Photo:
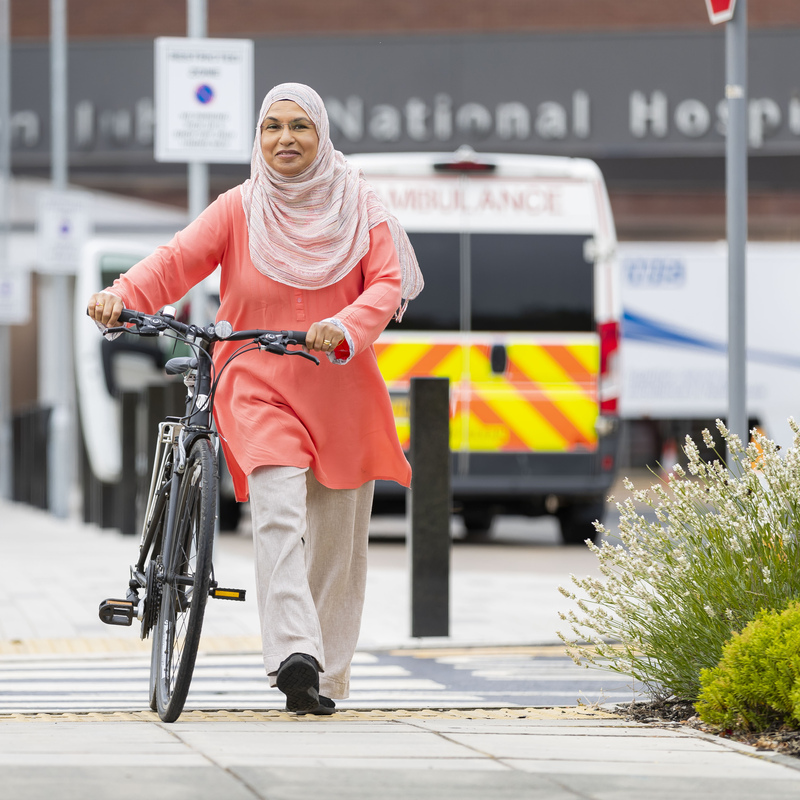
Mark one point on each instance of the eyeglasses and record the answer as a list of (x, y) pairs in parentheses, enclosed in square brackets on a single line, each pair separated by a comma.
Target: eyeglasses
[(295, 126)]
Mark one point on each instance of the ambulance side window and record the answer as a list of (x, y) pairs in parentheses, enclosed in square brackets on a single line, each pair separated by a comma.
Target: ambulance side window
[(437, 308), (531, 282)]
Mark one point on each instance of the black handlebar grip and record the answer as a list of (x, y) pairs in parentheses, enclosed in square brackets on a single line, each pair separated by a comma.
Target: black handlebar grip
[(298, 336), (127, 315)]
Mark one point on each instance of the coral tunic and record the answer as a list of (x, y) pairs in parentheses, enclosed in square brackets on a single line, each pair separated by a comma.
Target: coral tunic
[(282, 410)]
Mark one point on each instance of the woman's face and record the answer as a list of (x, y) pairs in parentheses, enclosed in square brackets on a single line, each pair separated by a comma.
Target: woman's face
[(289, 140)]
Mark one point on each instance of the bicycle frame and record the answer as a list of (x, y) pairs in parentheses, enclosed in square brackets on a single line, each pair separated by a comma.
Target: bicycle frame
[(174, 440)]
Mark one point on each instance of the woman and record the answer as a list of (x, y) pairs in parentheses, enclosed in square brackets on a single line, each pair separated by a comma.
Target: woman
[(304, 243)]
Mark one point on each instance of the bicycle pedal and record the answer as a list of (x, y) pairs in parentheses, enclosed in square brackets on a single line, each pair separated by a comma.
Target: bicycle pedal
[(117, 612), (227, 594)]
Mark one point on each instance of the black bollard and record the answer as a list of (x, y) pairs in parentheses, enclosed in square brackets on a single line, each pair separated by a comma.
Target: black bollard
[(129, 482), (147, 433), (429, 507)]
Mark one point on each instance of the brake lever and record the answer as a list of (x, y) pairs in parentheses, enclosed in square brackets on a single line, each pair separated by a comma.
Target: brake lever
[(303, 354), (139, 330)]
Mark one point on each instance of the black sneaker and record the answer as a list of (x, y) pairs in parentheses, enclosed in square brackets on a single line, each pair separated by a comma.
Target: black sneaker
[(298, 679), (326, 706)]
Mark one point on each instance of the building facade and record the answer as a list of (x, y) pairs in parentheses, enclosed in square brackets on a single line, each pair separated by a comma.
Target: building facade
[(638, 87)]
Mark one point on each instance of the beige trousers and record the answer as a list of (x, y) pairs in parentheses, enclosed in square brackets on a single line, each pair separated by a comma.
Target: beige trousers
[(311, 570)]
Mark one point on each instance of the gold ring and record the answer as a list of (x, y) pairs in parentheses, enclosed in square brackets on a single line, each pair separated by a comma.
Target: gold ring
[(326, 342), (99, 305)]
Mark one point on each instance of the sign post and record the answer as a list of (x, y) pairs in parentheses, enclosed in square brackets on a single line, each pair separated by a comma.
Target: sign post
[(735, 203), (736, 216), (197, 171), (55, 367), (7, 280)]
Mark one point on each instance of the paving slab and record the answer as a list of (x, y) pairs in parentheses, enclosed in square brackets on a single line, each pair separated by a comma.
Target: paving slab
[(294, 743), (673, 787), (594, 746), (132, 782), (397, 784), (280, 757)]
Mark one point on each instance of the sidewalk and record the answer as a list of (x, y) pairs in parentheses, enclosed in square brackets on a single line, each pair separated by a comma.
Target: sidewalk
[(427, 758), (55, 572), (62, 569)]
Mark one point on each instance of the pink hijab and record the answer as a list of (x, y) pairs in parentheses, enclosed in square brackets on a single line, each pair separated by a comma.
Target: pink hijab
[(310, 230)]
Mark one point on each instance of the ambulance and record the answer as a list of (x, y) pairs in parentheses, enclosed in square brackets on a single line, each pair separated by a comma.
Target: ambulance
[(520, 312)]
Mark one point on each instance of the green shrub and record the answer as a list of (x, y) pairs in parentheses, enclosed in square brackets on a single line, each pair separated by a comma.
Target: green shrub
[(757, 681), (724, 545)]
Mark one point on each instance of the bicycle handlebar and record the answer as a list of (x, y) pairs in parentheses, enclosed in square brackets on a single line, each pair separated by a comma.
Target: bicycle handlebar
[(153, 324), (276, 342)]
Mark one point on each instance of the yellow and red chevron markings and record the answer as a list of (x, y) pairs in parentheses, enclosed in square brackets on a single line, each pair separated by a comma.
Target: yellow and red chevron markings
[(544, 401)]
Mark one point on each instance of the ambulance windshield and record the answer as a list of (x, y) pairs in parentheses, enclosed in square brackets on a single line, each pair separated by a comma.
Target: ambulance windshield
[(519, 282)]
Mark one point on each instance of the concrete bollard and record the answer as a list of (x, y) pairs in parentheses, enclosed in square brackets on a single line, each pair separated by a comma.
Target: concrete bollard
[(428, 507)]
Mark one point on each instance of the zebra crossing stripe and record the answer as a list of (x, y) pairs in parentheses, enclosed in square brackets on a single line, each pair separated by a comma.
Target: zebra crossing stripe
[(238, 681)]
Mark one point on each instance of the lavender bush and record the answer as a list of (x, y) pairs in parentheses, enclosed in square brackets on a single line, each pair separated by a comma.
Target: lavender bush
[(724, 547)]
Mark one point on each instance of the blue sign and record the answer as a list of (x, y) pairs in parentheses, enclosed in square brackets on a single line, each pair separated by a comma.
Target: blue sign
[(654, 272)]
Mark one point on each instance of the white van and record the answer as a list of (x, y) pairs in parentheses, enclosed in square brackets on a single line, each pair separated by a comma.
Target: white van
[(105, 369), (521, 312), (674, 348)]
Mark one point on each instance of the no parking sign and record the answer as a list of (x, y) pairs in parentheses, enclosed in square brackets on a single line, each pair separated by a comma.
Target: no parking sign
[(204, 100)]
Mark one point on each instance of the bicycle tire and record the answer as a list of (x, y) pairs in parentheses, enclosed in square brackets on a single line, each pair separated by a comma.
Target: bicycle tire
[(187, 573), (152, 693)]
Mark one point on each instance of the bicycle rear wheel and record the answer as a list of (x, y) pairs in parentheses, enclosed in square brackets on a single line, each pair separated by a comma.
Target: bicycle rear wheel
[(187, 572)]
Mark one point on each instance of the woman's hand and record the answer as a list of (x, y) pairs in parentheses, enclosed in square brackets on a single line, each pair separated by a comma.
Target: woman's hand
[(323, 336), (105, 308)]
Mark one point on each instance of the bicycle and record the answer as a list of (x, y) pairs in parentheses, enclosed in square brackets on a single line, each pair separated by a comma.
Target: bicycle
[(174, 569)]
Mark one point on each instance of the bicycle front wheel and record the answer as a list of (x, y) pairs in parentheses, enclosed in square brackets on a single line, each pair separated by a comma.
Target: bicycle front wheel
[(187, 572)]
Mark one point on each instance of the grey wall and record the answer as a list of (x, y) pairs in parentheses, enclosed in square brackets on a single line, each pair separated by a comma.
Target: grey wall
[(598, 95)]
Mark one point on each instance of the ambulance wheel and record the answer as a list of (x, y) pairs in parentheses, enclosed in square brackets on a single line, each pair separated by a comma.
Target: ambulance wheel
[(576, 521), (478, 522)]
